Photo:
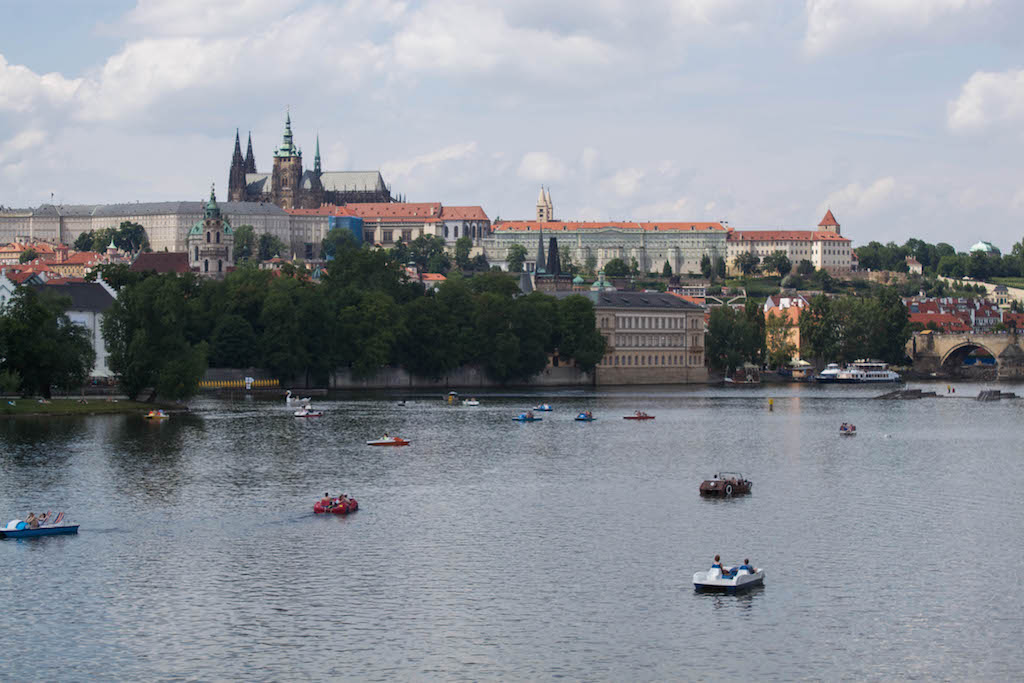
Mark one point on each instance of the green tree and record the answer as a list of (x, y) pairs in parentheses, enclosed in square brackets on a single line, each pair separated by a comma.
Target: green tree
[(245, 243), (515, 257), (578, 335), (117, 275), (40, 343), (233, 343), (778, 329), (777, 262), (819, 330), (706, 269), (719, 266), (27, 255), (666, 270), (84, 241), (616, 268), (746, 262), (804, 268), (496, 282), (130, 237), (270, 246), (590, 266), (634, 267), (463, 246), (145, 336)]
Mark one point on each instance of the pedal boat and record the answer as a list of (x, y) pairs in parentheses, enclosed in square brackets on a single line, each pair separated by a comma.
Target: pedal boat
[(41, 531), (306, 412), (523, 417), (543, 407), (638, 415), (157, 415), (389, 441), (583, 417), (713, 580)]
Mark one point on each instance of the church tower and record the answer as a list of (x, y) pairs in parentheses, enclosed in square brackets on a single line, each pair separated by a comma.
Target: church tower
[(545, 209), (829, 224), (236, 177), (250, 160), (314, 198), (286, 178)]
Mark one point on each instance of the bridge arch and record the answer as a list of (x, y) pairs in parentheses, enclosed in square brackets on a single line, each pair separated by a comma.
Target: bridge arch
[(954, 358)]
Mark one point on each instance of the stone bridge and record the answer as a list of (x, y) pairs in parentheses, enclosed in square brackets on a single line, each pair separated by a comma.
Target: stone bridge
[(944, 354)]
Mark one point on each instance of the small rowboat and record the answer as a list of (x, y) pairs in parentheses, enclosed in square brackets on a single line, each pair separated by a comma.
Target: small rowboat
[(638, 415), (389, 441), (41, 531)]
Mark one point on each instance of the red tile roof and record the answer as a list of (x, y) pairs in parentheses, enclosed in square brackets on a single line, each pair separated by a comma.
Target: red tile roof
[(433, 277), (161, 262), (829, 221), (784, 236), (83, 257), (945, 321), (563, 226)]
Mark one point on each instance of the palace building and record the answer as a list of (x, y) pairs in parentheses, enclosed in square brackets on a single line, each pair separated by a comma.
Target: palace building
[(290, 186)]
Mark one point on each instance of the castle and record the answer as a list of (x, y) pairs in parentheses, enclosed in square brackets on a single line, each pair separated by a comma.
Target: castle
[(289, 186)]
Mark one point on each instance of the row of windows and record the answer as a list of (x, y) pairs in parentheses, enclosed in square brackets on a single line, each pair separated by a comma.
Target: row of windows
[(643, 360), (641, 322)]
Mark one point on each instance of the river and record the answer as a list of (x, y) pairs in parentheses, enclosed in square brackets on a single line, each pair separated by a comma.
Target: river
[(491, 549)]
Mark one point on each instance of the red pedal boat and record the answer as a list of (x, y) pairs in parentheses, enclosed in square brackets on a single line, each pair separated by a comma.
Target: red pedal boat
[(638, 415), (389, 441), (336, 507)]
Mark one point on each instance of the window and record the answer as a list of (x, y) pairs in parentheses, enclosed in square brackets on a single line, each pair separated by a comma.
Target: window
[(385, 236), (206, 266), (217, 236), (207, 237), (368, 235), (407, 236), (197, 254), (220, 266)]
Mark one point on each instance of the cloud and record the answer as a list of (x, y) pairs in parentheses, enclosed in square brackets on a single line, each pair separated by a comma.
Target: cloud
[(205, 17), (23, 141), (405, 168), (22, 90), (626, 182), (839, 22), (541, 167), (857, 199), (665, 211), (988, 99)]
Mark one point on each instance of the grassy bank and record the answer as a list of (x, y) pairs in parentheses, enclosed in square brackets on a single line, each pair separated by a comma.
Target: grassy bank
[(72, 406)]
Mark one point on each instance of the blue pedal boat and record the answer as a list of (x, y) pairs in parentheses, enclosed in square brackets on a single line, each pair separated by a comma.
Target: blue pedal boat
[(41, 531), (583, 417), (526, 417)]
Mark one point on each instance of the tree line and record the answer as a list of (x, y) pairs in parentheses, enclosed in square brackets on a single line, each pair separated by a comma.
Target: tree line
[(942, 259), (165, 330)]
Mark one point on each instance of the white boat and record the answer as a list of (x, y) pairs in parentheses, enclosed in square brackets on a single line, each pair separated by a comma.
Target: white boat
[(859, 372), (471, 402), (307, 411), (830, 373), (742, 579)]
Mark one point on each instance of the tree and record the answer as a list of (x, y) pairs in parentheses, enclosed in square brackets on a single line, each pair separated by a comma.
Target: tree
[(804, 268), (463, 246), (130, 237), (145, 335), (666, 270), (270, 246), (777, 262), (578, 335), (746, 262), (245, 243), (616, 268), (735, 337), (429, 254), (117, 275), (818, 330), (515, 256), (40, 343), (27, 255), (634, 267), (565, 256), (233, 343), (778, 330), (719, 266), (590, 265), (341, 241), (706, 269), (84, 241)]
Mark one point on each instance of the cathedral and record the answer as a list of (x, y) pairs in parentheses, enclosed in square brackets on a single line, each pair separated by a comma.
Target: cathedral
[(290, 186)]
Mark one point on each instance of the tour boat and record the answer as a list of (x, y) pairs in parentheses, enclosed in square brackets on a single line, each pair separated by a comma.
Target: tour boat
[(829, 374), (638, 415), (585, 417), (308, 412), (543, 407), (738, 580), (389, 441), (527, 417), (471, 402), (859, 372), (41, 531), (157, 415), (726, 484), (336, 507)]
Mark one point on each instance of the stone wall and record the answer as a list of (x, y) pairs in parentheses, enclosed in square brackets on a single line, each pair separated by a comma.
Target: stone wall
[(624, 376), (466, 377)]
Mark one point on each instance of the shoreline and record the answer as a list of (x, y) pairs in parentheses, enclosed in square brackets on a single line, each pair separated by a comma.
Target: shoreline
[(67, 407)]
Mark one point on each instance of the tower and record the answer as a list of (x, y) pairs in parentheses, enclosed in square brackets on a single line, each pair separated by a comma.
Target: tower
[(250, 160), (314, 196), (211, 242), (236, 176), (286, 178), (545, 211), (829, 223), (539, 267)]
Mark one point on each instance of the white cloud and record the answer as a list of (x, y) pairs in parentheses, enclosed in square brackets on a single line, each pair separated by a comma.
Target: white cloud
[(23, 141), (405, 168), (677, 210), (21, 89), (205, 17), (857, 199), (626, 182), (541, 167), (988, 99), (836, 22), (589, 160)]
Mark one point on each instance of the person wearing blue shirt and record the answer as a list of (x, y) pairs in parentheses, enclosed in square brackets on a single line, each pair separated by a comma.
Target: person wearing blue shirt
[(746, 565)]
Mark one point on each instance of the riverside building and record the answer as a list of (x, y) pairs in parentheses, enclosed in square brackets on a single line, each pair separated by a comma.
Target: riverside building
[(825, 247)]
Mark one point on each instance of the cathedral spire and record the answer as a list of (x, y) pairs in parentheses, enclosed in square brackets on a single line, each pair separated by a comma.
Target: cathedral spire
[(316, 161), (238, 148), (540, 249), (212, 210), (287, 145), (250, 159)]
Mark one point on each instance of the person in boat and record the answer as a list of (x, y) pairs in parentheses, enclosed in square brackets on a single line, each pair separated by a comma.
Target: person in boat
[(32, 522), (529, 414), (749, 567), (717, 564), (326, 500)]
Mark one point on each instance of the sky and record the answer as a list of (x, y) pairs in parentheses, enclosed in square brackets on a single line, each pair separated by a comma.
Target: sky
[(905, 117)]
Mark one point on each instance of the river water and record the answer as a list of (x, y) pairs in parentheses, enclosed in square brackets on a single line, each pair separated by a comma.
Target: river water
[(491, 549)]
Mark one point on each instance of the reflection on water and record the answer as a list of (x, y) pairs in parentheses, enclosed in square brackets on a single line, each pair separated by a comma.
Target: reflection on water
[(496, 550)]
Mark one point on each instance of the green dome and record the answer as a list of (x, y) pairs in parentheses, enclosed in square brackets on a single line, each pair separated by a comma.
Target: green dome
[(578, 280)]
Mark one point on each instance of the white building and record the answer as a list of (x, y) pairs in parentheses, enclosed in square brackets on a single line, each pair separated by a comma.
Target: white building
[(825, 247), (387, 223), (89, 302)]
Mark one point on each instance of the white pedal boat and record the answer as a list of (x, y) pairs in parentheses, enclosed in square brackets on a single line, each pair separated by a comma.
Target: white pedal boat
[(712, 580)]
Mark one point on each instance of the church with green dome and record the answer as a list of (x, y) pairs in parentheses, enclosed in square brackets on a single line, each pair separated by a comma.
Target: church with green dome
[(211, 243)]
